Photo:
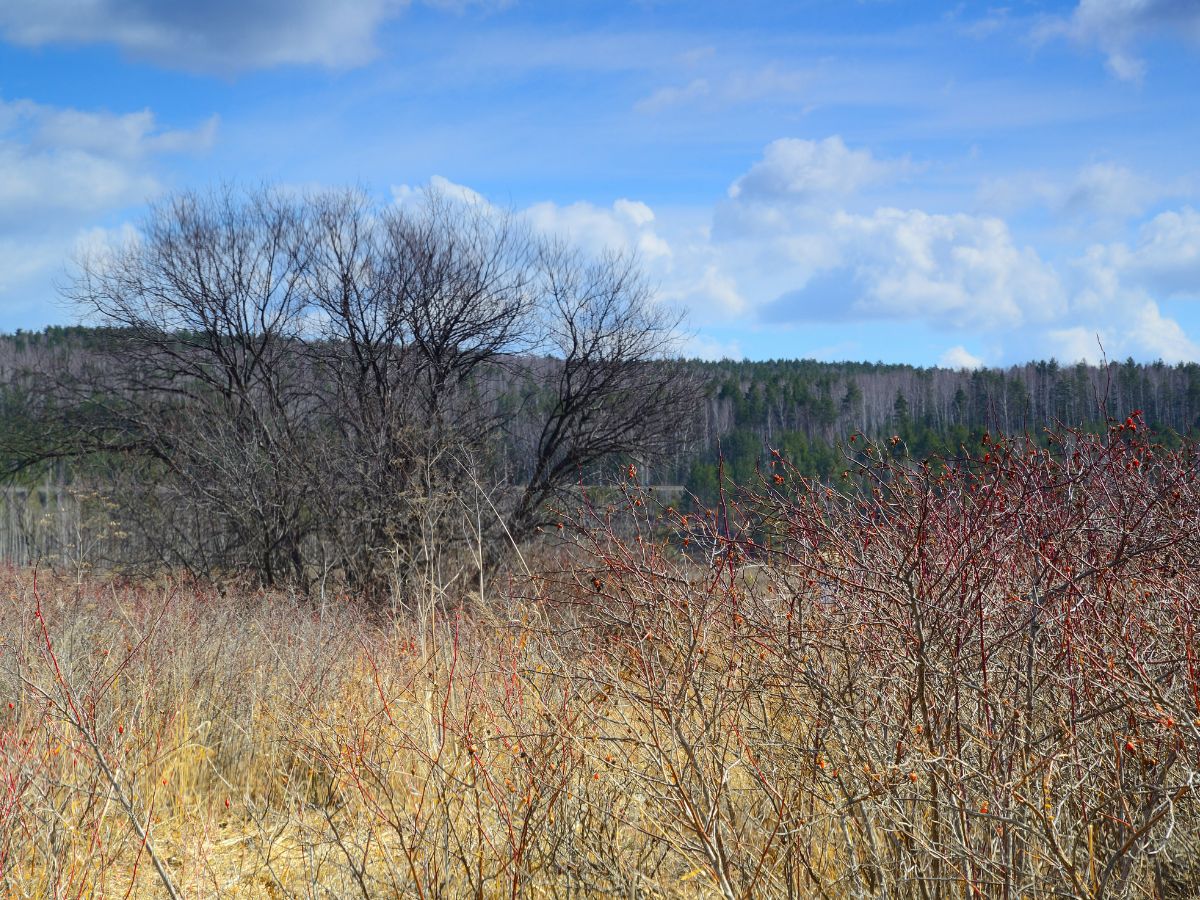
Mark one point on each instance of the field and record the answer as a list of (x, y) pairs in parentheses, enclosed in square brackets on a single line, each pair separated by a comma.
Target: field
[(976, 679)]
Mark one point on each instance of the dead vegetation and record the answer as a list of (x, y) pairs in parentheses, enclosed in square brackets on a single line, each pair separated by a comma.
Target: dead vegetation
[(972, 679)]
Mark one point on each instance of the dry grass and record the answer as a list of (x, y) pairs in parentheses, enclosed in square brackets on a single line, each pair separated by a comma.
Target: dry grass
[(840, 702)]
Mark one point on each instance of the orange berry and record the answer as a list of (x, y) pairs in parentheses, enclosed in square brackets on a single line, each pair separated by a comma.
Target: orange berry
[(912, 776)]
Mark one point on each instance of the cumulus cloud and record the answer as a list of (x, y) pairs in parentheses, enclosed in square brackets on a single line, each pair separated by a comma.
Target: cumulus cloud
[(22, 258), (802, 171), (959, 357), (1164, 258), (627, 226), (953, 271), (798, 256), (1100, 190), (407, 194), (220, 35), (711, 293), (1078, 343), (1118, 286), (56, 161), (1161, 336), (1118, 26), (62, 168), (783, 229), (1132, 326), (782, 250)]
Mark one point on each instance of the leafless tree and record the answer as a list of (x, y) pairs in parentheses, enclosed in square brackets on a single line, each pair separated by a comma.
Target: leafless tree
[(292, 383), (201, 382), (608, 390)]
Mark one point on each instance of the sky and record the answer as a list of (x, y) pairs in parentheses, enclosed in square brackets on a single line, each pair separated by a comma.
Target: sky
[(935, 183)]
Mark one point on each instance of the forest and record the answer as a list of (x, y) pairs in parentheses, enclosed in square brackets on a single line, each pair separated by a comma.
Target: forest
[(736, 412)]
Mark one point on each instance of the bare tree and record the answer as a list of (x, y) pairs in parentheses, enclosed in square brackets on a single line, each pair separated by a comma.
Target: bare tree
[(610, 389), (201, 381), (293, 383), (416, 308)]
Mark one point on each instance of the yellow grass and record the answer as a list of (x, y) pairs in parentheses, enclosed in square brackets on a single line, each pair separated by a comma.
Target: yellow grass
[(271, 747)]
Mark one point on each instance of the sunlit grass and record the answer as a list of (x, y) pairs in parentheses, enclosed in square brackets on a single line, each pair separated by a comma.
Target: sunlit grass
[(987, 687)]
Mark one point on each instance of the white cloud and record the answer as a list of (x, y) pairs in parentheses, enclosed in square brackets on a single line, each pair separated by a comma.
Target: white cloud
[(407, 194), (1107, 190), (1160, 336), (23, 258), (131, 136), (784, 235), (1078, 344), (769, 84), (993, 20), (703, 347), (1132, 325), (220, 35), (1101, 190), (1118, 26), (98, 243), (1118, 287), (673, 95), (713, 293), (625, 226), (959, 357), (802, 171), (797, 256), (56, 161), (61, 169), (1165, 257), (782, 250), (956, 270)]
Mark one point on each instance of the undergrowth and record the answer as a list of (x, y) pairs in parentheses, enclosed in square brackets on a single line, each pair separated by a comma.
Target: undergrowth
[(970, 678)]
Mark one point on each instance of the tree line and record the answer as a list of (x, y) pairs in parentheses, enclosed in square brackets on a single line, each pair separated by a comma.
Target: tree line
[(807, 409)]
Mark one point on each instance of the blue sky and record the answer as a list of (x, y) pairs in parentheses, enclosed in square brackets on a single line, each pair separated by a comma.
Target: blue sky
[(953, 183)]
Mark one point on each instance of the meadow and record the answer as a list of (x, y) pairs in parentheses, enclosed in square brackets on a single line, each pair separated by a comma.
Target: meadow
[(974, 677)]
